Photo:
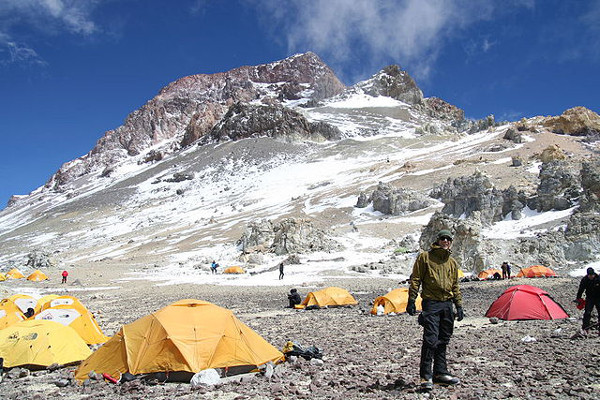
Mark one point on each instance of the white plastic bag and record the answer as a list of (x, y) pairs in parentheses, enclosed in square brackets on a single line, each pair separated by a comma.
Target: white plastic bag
[(207, 377)]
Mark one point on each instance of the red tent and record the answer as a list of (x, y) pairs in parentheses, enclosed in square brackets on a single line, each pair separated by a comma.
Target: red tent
[(525, 302)]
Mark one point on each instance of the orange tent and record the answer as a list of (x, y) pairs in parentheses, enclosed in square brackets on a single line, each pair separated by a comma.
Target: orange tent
[(37, 276), (14, 274), (187, 336), (488, 273), (536, 271), (234, 270), (329, 297), (395, 301)]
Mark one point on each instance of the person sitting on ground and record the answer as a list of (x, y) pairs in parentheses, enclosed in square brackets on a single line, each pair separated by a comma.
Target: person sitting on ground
[(496, 276), (294, 298), (590, 284)]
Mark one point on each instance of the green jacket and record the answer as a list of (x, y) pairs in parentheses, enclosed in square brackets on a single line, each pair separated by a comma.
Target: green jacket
[(437, 272)]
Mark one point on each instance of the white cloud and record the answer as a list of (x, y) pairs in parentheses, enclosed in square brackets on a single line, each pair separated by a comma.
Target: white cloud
[(46, 16), (409, 32)]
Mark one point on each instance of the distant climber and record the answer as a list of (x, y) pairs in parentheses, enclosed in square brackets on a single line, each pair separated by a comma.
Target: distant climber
[(294, 298), (213, 267), (590, 284), (505, 270), (64, 276), (281, 270)]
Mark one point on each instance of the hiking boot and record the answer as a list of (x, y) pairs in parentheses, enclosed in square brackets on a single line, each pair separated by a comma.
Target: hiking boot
[(445, 379), (426, 384)]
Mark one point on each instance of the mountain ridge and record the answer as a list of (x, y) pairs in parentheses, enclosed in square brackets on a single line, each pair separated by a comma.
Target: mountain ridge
[(286, 154)]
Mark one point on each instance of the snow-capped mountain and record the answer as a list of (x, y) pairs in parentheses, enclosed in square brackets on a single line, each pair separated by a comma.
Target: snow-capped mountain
[(260, 163)]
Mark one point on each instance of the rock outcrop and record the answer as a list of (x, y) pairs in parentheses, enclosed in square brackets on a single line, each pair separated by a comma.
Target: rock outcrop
[(249, 120), (577, 121), (464, 196), (393, 82), (466, 246), (291, 235), (559, 187), (392, 201)]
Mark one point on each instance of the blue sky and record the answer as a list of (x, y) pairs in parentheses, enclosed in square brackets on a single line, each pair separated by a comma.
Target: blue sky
[(72, 69)]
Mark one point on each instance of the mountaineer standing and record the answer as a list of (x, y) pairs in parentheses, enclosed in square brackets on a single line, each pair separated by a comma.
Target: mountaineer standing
[(436, 272), (590, 284)]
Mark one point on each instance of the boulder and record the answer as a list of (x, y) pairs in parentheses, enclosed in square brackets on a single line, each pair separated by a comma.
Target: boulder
[(577, 121), (559, 187), (291, 235), (391, 201)]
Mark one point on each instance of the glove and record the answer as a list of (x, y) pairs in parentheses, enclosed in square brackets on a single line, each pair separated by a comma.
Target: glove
[(460, 314), (411, 308)]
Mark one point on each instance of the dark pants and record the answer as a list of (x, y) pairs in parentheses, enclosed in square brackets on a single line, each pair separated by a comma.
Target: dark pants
[(590, 303), (437, 319)]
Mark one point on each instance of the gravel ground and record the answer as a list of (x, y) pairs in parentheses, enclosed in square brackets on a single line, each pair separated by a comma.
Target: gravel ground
[(364, 356)]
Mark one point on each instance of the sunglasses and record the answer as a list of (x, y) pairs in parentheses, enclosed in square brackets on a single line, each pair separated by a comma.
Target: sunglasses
[(446, 238)]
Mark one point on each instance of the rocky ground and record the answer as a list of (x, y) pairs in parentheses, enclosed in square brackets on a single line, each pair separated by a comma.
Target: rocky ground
[(364, 356)]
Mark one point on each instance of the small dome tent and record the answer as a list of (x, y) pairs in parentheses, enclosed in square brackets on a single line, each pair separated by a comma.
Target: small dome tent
[(394, 301), (329, 297), (40, 344), (187, 336), (69, 311), (488, 273), (23, 301), (525, 302), (37, 276), (536, 271), (234, 270), (14, 274), (10, 314)]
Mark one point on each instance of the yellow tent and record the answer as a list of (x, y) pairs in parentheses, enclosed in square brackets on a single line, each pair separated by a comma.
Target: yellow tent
[(23, 301), (189, 335), (69, 311), (41, 343), (43, 300), (329, 297), (14, 274), (10, 313), (234, 270), (2, 277), (37, 276), (395, 301)]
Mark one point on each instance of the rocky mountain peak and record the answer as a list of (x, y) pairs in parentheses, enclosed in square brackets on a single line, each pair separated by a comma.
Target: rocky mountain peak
[(190, 107), (393, 82)]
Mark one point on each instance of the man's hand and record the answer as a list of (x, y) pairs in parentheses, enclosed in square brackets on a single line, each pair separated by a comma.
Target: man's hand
[(460, 314), (411, 308)]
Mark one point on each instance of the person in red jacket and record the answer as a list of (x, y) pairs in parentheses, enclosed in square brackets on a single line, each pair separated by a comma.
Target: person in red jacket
[(64, 276)]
